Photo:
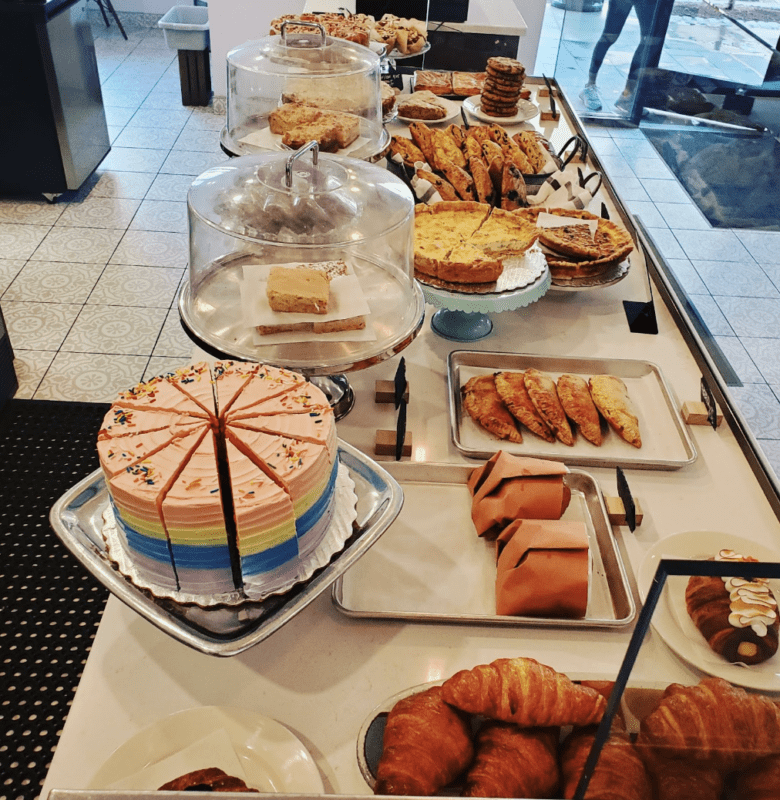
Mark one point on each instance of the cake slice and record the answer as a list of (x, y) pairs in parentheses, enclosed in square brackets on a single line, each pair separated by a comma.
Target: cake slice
[(195, 381), (230, 377), (303, 291), (317, 426), (265, 525), (195, 524), (268, 382), (122, 421), (305, 470), (137, 495), (121, 452), (301, 399), (160, 394)]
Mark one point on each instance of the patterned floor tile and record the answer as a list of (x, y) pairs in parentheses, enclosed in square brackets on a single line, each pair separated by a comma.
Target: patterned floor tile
[(20, 241), (712, 244), (144, 287), (161, 215), (173, 341), (711, 315), (761, 409), (204, 141), (205, 120), (115, 330), (154, 138), (123, 98), (170, 187), (118, 117), (739, 358), (9, 269), (99, 212), (153, 249), (133, 185), (159, 99), (764, 246), (686, 274), (191, 162), (771, 450), (173, 119), (751, 316), (737, 279), (82, 245), (30, 366), (39, 326), (135, 159), (661, 191), (54, 282), (30, 212), (765, 353), (159, 365), (90, 377), (680, 215)]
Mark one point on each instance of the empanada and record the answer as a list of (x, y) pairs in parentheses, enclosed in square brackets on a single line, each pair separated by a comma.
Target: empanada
[(485, 407), (611, 398), (511, 389), (544, 396), (575, 398)]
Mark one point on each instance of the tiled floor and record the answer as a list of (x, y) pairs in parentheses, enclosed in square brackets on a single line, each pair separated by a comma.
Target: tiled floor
[(88, 283)]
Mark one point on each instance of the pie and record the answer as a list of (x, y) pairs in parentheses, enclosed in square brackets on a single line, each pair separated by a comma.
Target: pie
[(544, 395), (485, 407), (466, 242), (610, 395), (511, 389), (575, 398)]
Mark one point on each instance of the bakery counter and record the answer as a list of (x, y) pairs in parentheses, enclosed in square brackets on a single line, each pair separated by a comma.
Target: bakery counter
[(323, 672)]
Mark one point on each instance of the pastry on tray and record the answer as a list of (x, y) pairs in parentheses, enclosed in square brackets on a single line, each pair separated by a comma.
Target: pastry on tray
[(210, 779), (544, 395), (421, 105), (610, 396), (575, 398), (512, 390), (426, 745), (738, 617), (484, 406)]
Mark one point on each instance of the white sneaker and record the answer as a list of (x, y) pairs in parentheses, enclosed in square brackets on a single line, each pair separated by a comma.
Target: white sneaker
[(590, 98)]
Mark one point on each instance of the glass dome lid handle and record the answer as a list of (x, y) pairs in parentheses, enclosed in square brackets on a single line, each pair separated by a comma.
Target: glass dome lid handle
[(314, 146), (302, 24)]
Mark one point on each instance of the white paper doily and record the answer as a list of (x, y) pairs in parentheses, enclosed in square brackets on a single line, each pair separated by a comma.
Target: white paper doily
[(339, 530)]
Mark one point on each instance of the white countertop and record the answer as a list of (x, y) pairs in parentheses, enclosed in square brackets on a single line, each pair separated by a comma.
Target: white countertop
[(322, 673)]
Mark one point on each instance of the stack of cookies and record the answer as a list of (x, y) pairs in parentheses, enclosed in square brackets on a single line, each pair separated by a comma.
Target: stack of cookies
[(503, 85)]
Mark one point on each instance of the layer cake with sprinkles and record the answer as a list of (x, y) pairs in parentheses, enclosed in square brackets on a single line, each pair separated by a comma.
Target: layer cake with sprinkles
[(221, 477)]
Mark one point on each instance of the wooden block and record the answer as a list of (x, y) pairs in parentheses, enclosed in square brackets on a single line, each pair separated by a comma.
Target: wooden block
[(694, 412), (384, 444), (525, 94), (617, 513), (384, 392), (548, 115), (545, 92)]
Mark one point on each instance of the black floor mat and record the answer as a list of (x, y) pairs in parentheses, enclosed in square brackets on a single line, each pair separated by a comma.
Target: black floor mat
[(734, 180), (50, 605)]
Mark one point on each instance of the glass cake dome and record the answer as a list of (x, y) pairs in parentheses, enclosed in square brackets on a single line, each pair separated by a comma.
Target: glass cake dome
[(282, 87), (254, 212)]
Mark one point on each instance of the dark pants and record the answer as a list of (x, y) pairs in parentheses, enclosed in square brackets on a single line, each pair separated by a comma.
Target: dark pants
[(652, 28)]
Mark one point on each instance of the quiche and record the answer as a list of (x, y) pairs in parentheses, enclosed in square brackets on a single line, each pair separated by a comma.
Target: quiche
[(466, 242)]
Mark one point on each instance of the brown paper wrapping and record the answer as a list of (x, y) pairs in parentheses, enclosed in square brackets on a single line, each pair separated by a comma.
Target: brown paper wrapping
[(543, 569), (509, 487)]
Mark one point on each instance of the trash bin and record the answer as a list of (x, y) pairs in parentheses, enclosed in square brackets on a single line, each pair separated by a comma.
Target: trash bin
[(186, 29)]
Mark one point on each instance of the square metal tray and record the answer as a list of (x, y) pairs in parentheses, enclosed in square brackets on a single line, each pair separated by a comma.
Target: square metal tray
[(431, 566), (666, 443), (77, 518)]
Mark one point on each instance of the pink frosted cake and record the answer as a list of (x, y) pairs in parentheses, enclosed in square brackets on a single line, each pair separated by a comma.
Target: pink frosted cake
[(220, 477)]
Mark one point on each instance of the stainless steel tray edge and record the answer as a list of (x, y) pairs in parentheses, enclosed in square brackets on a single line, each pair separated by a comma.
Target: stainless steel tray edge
[(380, 499), (617, 577), (482, 359)]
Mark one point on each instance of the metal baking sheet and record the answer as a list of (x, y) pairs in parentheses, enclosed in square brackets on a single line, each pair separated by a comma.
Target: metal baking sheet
[(431, 566), (666, 443), (77, 518)]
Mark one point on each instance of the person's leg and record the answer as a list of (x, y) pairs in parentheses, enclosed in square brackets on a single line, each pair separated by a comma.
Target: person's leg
[(648, 52), (617, 13)]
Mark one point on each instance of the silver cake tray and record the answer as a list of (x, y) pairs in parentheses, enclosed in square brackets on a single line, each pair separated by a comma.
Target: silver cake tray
[(225, 630)]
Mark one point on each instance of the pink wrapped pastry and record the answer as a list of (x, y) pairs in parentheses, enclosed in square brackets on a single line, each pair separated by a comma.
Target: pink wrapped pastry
[(509, 487), (543, 569)]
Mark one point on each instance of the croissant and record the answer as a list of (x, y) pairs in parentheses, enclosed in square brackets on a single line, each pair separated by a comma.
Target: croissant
[(737, 617), (619, 774), (714, 724), (426, 745), (683, 780), (523, 691), (513, 762), (760, 781)]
